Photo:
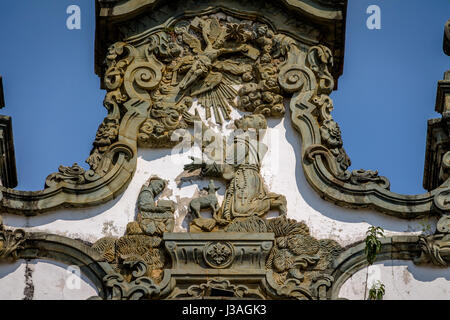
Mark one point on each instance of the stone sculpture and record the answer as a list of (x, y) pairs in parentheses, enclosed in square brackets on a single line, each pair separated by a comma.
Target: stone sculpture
[(141, 247), (246, 194), (205, 202), (254, 59)]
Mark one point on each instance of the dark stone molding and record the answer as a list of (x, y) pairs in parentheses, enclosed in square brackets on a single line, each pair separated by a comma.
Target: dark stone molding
[(8, 172), (69, 194), (447, 38), (320, 167), (437, 155), (187, 279)]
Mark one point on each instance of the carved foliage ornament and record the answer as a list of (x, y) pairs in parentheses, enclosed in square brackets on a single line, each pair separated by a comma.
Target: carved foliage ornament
[(436, 248), (10, 242), (204, 58), (223, 63)]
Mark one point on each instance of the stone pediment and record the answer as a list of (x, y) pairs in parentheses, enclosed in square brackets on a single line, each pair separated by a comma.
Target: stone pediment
[(221, 70)]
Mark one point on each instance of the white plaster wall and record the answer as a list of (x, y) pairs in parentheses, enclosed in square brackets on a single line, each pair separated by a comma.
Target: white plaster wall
[(281, 170), (282, 173), (44, 280), (403, 280), (12, 280)]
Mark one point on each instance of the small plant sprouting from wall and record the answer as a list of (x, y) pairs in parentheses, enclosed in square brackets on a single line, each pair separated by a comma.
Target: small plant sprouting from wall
[(377, 291), (373, 244), (426, 227), (373, 247)]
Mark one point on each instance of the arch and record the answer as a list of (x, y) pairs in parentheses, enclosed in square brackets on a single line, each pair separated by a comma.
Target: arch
[(354, 259), (70, 252)]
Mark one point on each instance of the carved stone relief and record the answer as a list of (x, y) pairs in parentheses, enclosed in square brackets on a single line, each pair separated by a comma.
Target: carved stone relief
[(140, 252), (211, 62), (10, 242), (278, 254), (436, 248)]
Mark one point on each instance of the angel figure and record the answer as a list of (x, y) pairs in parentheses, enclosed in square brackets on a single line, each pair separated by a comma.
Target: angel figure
[(206, 76)]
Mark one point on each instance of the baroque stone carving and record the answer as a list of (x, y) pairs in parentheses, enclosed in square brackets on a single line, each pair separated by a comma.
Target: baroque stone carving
[(296, 258), (222, 60), (147, 68), (436, 248), (10, 242), (141, 247), (74, 175), (106, 135), (246, 194), (141, 287), (325, 162), (319, 61), (283, 259), (209, 201), (218, 254), (220, 286)]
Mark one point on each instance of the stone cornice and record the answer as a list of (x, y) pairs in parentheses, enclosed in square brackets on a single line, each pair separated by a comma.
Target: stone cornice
[(437, 155), (323, 174), (93, 188), (316, 9)]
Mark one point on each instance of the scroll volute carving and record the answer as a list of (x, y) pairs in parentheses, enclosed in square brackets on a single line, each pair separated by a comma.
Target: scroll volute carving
[(319, 61), (10, 242), (436, 248)]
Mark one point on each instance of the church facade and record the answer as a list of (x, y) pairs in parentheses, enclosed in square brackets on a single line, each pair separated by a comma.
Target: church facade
[(220, 171)]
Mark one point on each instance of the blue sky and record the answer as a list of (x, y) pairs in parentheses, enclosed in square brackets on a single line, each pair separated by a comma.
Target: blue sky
[(386, 94)]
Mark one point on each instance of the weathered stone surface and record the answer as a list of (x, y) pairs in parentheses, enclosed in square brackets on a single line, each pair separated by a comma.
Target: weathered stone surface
[(436, 248), (226, 56), (316, 19), (437, 155), (8, 173), (447, 38)]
